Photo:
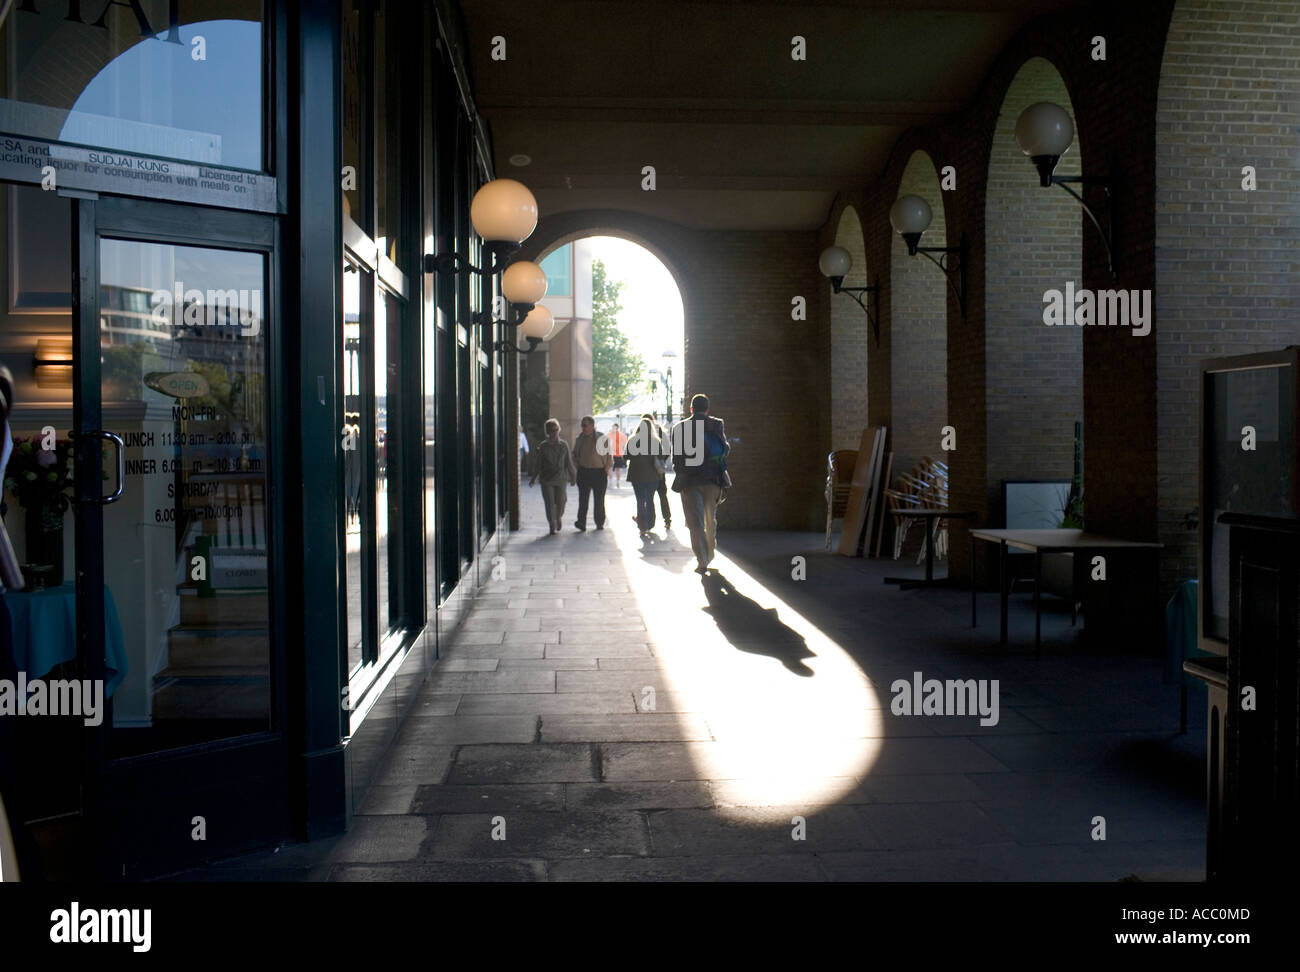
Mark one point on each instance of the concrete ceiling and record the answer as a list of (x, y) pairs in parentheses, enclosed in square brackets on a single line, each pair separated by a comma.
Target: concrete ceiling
[(741, 135)]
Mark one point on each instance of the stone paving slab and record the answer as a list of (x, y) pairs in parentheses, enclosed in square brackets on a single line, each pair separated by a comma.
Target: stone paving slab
[(604, 647), (374, 839), (389, 799), (468, 664), (752, 867), (549, 836), (416, 764), (530, 763), (757, 830), (490, 798), (463, 729), (548, 664), (638, 796), (492, 683), (427, 872), (642, 727), (552, 703)]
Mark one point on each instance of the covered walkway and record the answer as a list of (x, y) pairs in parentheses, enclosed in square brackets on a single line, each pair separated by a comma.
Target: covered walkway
[(604, 714)]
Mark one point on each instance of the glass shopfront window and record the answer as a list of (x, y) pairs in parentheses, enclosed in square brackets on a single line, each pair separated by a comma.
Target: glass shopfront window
[(356, 68), (163, 79), (389, 198)]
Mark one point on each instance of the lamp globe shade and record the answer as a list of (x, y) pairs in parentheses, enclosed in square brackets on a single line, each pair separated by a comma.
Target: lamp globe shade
[(835, 261), (910, 214), (524, 282), (1044, 129), (504, 210), (538, 323)]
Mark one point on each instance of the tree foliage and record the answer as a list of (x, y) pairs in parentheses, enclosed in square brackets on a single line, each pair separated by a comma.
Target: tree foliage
[(616, 370)]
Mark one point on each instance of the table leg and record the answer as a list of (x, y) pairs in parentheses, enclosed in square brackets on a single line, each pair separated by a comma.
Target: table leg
[(1002, 588), (972, 582), (1038, 614)]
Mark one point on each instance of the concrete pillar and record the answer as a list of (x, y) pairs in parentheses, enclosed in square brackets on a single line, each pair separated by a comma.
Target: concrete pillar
[(570, 376)]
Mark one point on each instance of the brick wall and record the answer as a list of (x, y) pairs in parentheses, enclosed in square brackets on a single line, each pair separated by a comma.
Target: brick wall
[(1033, 239), (766, 375), (850, 340), (1225, 257), (1113, 102), (919, 347)]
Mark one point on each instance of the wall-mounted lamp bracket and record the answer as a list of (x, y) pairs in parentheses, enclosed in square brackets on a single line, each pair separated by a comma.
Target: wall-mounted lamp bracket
[(1106, 234), (533, 345), (854, 292), (944, 262), (452, 263), (513, 319)]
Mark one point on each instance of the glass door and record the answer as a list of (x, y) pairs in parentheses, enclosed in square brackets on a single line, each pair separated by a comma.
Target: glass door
[(176, 445)]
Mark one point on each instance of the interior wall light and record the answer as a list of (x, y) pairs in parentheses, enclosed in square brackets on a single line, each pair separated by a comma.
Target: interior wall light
[(53, 363), (1044, 132), (911, 216), (835, 264), (504, 214)]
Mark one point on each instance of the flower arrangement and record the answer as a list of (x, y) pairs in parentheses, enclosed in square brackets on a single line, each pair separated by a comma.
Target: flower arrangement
[(41, 478)]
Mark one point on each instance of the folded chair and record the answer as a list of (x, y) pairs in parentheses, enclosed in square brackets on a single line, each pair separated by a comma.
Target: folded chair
[(839, 479)]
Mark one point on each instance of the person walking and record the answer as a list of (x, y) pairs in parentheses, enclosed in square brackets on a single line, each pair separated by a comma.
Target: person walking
[(643, 472), (618, 445), (553, 464), (593, 461), (700, 450), (664, 464)]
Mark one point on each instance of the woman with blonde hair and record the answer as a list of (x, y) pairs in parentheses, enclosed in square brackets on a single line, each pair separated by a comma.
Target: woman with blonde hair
[(643, 471)]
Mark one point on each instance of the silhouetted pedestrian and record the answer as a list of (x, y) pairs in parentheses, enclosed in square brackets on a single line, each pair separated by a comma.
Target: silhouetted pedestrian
[(700, 450), (591, 454), (553, 464)]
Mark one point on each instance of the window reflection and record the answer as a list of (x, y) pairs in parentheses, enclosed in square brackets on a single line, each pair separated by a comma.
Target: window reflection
[(351, 437), (178, 79)]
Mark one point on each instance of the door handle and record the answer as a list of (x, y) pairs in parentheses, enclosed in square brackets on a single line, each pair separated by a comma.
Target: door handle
[(121, 465)]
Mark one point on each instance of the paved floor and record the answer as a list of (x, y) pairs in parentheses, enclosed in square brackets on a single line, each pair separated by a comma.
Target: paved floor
[(606, 714)]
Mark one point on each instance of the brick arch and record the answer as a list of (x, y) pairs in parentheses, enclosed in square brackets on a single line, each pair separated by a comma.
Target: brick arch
[(658, 237), (919, 325), (767, 374), (1033, 240), (850, 340)]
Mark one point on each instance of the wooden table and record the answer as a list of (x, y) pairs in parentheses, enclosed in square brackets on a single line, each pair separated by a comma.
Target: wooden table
[(1039, 542), (931, 516)]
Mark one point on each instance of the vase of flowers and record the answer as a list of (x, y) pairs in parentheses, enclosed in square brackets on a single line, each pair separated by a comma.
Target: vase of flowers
[(41, 478)]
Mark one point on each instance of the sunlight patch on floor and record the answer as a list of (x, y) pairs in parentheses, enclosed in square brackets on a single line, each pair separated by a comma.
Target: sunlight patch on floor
[(797, 721)]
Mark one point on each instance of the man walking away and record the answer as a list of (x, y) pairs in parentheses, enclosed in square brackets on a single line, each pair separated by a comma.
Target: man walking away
[(591, 456), (700, 450), (554, 466)]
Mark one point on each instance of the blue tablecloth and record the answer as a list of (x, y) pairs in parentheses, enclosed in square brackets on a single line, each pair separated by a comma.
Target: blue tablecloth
[(45, 632)]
